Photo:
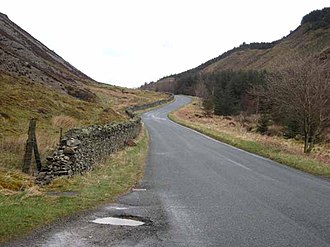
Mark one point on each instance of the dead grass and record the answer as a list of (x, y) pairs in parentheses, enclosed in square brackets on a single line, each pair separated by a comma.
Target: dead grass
[(12, 148), (63, 121), (234, 126), (12, 181), (12, 144)]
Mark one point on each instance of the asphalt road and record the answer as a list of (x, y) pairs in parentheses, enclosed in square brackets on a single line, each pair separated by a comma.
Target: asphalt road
[(200, 192)]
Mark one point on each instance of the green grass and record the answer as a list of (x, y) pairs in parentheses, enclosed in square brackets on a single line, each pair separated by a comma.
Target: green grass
[(24, 211), (301, 163)]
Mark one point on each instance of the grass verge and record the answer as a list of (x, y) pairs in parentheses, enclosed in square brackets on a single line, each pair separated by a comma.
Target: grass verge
[(305, 164), (116, 175)]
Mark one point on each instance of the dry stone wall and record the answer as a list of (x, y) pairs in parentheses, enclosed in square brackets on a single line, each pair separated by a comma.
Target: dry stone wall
[(130, 110), (80, 149)]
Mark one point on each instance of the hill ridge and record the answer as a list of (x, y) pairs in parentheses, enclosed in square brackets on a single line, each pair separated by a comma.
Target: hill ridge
[(311, 37), (23, 56)]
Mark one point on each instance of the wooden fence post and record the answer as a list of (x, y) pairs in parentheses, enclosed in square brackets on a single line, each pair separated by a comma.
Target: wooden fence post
[(31, 146), (61, 134), (37, 154)]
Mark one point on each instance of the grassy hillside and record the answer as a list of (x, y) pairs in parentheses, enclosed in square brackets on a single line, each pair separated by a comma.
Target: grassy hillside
[(304, 42), (21, 100), (311, 38)]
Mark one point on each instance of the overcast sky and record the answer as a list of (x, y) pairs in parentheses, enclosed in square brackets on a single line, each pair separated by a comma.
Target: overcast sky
[(129, 42)]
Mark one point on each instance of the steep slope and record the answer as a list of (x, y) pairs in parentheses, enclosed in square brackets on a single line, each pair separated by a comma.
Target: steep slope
[(24, 57), (37, 83), (311, 38), (303, 41)]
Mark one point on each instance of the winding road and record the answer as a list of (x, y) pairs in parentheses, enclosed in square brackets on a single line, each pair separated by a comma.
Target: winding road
[(200, 192)]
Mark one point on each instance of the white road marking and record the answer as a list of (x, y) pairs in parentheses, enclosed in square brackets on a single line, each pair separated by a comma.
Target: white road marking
[(238, 164), (214, 140)]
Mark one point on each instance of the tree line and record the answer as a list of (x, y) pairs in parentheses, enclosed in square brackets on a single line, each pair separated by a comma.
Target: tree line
[(297, 96), (317, 19)]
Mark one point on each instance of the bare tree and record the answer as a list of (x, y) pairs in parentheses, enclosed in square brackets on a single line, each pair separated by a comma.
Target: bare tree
[(301, 92), (201, 90), (257, 92)]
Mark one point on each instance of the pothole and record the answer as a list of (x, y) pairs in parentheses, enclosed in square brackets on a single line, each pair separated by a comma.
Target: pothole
[(138, 190), (117, 208), (122, 220), (118, 222)]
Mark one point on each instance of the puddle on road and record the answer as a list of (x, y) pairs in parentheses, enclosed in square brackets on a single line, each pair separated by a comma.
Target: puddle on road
[(138, 190), (118, 208), (118, 221)]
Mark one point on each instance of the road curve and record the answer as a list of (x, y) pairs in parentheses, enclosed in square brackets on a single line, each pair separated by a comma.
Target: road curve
[(217, 195), (199, 192)]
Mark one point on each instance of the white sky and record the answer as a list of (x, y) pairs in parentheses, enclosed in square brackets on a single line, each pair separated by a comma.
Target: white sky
[(129, 42)]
